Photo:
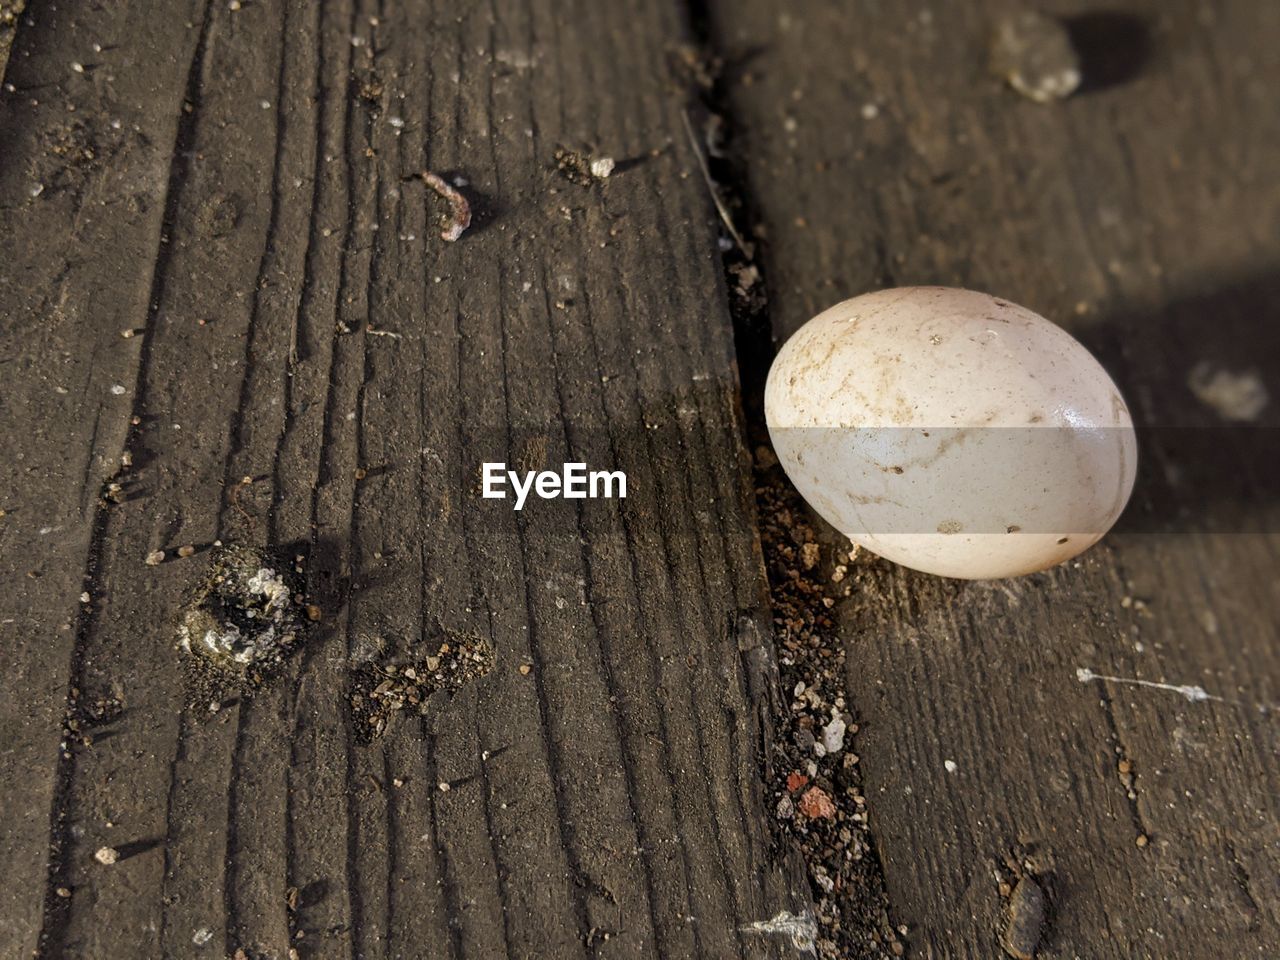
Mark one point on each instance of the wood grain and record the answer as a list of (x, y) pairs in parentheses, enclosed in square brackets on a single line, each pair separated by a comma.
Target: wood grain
[(1141, 215), (83, 192), (303, 328)]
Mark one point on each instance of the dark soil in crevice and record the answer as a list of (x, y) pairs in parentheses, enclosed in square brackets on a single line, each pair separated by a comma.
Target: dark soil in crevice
[(814, 795)]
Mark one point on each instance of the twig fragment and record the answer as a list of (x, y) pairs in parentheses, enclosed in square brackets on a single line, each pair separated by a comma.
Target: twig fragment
[(1192, 693), (711, 185), (459, 209)]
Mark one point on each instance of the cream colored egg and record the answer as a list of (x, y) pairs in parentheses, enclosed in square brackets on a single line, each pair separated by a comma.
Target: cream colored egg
[(951, 431)]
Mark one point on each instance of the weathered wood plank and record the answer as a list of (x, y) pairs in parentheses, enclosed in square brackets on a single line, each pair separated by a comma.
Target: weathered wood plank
[(1141, 216), (305, 327), (82, 188)]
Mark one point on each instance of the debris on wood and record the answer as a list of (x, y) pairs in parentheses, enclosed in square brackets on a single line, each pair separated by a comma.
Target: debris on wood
[(815, 793), (371, 89), (380, 691), (459, 210), (1195, 694), (816, 805), (243, 618), (1033, 53), (716, 199), (581, 167), (1240, 397), (107, 856), (800, 930), (1026, 920)]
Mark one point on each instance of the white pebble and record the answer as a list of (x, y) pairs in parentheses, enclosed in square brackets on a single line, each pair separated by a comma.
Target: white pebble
[(1239, 396), (833, 735), (107, 856)]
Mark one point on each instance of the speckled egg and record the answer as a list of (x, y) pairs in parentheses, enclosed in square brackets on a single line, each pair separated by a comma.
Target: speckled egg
[(951, 431)]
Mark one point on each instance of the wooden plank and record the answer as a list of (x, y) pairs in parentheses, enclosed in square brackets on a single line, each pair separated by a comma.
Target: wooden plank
[(303, 326), (1141, 215), (81, 193)]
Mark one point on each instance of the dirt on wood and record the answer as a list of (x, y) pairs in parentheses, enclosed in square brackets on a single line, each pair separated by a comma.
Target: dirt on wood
[(817, 796), (531, 734)]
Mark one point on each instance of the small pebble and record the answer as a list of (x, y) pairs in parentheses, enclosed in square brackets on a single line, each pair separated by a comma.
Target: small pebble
[(1033, 53), (816, 805), (1026, 920), (833, 735), (1238, 396), (107, 856), (186, 551), (155, 558)]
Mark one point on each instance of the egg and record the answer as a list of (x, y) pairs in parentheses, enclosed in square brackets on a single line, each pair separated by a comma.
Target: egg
[(951, 431)]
